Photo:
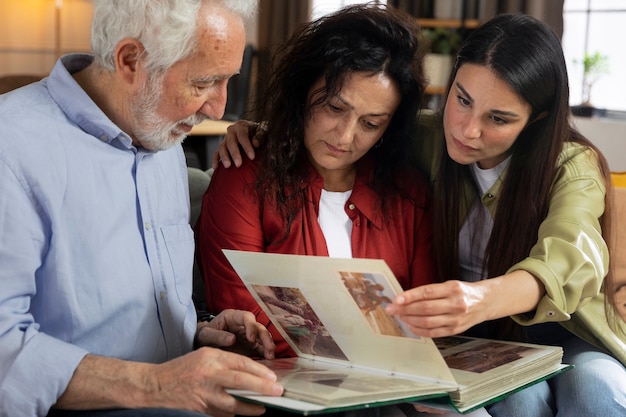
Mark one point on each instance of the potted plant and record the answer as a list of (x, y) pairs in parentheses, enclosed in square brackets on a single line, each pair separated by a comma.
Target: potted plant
[(443, 43), (594, 66)]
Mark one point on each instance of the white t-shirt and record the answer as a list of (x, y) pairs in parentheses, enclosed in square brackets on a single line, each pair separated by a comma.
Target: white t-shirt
[(335, 223), (472, 240)]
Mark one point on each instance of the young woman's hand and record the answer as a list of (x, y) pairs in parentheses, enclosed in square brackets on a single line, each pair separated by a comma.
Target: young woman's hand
[(243, 133), (452, 307)]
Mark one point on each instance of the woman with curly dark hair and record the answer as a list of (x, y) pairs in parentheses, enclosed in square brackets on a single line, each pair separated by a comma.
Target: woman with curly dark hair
[(334, 177)]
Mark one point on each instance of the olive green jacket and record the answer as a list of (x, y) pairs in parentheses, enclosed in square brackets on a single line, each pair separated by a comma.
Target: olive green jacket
[(570, 257)]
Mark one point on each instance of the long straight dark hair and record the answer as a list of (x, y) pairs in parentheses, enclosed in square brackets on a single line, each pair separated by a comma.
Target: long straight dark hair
[(527, 55)]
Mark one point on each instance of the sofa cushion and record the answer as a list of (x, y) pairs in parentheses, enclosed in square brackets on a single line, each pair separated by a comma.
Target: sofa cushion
[(198, 183)]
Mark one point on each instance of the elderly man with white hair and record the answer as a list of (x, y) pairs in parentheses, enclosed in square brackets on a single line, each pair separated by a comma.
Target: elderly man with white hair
[(95, 244)]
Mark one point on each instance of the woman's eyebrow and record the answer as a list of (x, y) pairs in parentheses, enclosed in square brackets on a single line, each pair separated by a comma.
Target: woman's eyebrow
[(464, 91), (494, 111)]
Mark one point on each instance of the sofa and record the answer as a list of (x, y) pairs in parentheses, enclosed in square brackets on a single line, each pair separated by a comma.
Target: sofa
[(198, 183)]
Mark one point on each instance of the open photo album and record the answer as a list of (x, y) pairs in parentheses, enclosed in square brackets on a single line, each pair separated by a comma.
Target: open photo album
[(351, 354)]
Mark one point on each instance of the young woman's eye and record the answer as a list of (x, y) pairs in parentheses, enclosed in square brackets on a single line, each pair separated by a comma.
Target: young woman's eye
[(463, 101), (499, 120)]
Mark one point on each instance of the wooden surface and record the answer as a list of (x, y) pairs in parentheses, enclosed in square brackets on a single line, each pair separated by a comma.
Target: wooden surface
[(211, 128), (449, 23)]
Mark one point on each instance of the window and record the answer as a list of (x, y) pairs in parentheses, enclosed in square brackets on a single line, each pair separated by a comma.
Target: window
[(322, 7), (596, 26)]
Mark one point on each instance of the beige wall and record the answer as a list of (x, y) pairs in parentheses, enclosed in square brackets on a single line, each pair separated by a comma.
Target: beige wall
[(608, 135), (28, 33)]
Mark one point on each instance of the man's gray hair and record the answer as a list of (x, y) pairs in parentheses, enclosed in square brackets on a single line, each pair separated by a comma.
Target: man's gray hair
[(166, 28)]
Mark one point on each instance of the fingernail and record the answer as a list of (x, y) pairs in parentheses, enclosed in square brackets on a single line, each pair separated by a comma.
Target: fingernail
[(277, 389)]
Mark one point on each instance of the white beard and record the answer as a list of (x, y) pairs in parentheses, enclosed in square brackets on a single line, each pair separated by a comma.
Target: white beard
[(151, 131)]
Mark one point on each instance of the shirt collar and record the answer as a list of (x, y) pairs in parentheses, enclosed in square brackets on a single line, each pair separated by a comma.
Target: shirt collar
[(363, 196), (78, 106)]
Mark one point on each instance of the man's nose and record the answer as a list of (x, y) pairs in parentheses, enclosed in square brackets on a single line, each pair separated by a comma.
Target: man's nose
[(215, 104)]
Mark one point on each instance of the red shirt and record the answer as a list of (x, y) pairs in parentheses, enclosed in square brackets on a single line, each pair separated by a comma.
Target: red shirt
[(232, 217)]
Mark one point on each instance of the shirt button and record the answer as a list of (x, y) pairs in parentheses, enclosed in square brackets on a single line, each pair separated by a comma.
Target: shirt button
[(489, 195), (163, 295), (148, 226), (351, 206), (104, 138), (550, 313)]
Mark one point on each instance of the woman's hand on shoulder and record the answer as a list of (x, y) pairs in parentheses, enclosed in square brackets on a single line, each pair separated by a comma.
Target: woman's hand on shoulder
[(242, 133)]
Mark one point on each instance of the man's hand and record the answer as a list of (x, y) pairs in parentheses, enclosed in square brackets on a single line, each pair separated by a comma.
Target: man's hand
[(196, 381), (243, 133), (236, 331)]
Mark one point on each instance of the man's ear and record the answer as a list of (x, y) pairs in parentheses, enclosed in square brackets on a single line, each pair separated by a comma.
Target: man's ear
[(128, 53)]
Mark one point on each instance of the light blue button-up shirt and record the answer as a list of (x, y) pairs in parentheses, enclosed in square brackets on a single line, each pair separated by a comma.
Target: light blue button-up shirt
[(96, 250)]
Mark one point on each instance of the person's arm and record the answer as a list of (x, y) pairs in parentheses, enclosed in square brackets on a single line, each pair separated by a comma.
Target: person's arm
[(195, 381), (243, 133), (38, 371), (563, 271), (570, 257), (247, 135), (449, 308)]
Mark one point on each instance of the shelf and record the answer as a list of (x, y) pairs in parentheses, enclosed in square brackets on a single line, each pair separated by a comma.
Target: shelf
[(435, 91), (449, 23)]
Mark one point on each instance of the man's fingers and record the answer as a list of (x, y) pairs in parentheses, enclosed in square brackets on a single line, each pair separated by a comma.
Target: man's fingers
[(238, 376), (258, 335), (208, 336), (240, 372)]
